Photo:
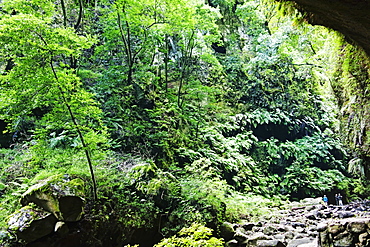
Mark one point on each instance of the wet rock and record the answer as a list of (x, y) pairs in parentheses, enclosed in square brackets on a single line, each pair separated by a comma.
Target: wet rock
[(289, 235), (312, 244), (280, 237), (324, 239), (252, 240), (307, 226), (311, 216), (298, 224), (310, 208), (300, 235), (326, 214), (283, 228), (56, 199)]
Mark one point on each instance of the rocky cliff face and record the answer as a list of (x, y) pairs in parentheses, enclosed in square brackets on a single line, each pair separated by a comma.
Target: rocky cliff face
[(350, 17), (351, 83)]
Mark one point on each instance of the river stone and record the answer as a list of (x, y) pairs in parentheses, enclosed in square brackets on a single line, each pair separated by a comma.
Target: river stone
[(240, 236), (321, 227), (314, 243), (252, 240), (284, 228), (280, 237), (300, 241), (298, 224), (310, 208), (311, 216), (30, 224), (270, 243), (326, 214), (248, 226), (289, 235), (59, 195), (269, 230), (345, 214)]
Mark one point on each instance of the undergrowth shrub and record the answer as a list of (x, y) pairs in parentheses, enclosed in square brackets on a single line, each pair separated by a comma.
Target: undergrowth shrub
[(194, 236)]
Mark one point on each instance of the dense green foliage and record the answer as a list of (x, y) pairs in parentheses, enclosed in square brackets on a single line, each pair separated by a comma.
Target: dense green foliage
[(180, 114)]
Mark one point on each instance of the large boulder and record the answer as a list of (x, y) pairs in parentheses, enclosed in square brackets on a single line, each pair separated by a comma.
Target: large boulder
[(357, 226), (344, 239), (346, 232), (47, 206), (227, 231), (60, 195), (30, 223)]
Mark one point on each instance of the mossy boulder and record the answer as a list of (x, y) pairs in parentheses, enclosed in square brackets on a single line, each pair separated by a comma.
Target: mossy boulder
[(30, 223), (61, 195), (227, 231)]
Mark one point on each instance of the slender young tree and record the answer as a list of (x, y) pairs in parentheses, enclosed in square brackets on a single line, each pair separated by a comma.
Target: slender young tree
[(42, 78)]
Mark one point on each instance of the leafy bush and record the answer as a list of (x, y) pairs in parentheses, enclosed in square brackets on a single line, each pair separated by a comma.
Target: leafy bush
[(194, 236)]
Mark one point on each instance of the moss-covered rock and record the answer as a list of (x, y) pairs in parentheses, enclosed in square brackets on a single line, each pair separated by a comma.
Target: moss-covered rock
[(30, 223), (227, 231), (60, 195)]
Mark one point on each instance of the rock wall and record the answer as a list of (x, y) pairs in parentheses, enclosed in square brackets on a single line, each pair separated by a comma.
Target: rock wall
[(351, 87)]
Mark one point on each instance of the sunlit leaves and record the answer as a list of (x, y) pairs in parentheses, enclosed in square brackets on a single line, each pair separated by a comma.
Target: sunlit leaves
[(194, 236), (37, 8)]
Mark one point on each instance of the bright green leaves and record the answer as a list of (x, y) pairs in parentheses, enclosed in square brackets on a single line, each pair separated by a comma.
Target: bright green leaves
[(36, 49), (194, 236), (37, 8), (27, 39)]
